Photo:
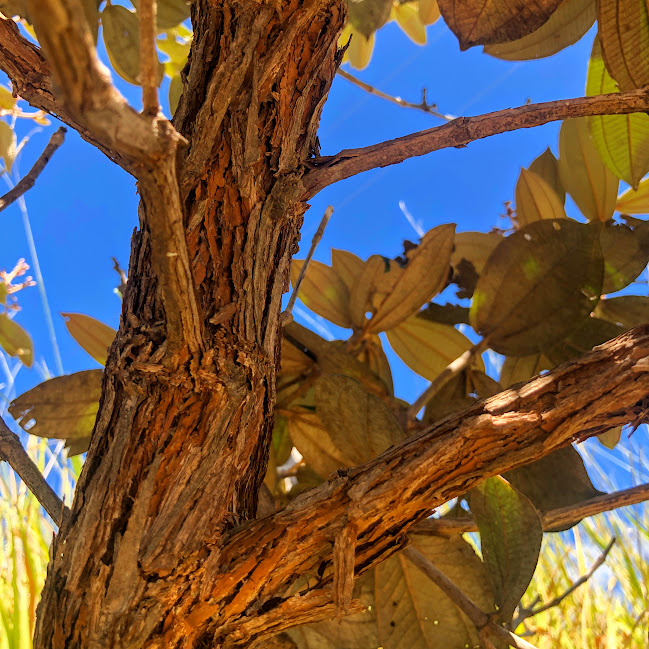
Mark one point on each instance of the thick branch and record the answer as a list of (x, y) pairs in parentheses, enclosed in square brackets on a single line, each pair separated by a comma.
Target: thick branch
[(461, 131), (28, 180), (553, 519), (384, 498), (12, 451)]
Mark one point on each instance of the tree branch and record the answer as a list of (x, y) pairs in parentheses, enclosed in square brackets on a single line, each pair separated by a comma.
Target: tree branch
[(461, 131), (552, 519), (147, 13), (424, 106), (27, 181), (385, 497), (12, 451)]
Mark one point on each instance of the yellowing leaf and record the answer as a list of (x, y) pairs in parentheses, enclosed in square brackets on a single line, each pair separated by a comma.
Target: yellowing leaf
[(94, 336), (359, 51), (479, 22), (536, 199), (371, 354), (358, 423), (592, 185), (611, 437), (624, 35), (15, 340), (122, 40), (7, 100), (391, 292), (428, 347), (408, 18), (323, 292), (626, 310), (412, 612), (7, 145), (547, 167), (428, 11), (538, 285), (348, 266), (635, 201), (510, 538), (475, 247), (522, 368), (622, 140), (571, 20), (64, 407)]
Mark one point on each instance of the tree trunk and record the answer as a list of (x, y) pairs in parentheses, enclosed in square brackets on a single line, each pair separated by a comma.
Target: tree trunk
[(180, 445)]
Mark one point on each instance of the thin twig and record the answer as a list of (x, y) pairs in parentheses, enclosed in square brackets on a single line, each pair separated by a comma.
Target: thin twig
[(147, 11), (445, 376), (459, 132), (12, 451), (27, 182), (424, 106), (551, 519), (287, 315), (526, 613), (481, 620), (123, 278)]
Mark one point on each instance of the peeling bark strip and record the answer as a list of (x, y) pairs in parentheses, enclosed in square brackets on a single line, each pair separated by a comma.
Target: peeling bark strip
[(181, 441)]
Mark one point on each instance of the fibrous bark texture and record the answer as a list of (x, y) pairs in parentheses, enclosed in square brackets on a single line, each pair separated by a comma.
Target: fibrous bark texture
[(180, 445)]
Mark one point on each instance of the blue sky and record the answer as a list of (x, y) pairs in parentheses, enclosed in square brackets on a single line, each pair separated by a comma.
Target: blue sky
[(83, 208)]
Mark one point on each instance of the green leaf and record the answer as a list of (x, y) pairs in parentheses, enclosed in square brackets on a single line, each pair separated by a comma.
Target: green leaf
[(547, 167), (589, 334), (122, 40), (366, 16), (571, 20), (556, 480), (622, 140), (358, 423), (427, 347), (7, 145), (94, 336), (511, 532), (536, 200), (323, 292), (624, 35), (626, 310), (412, 612), (482, 22), (522, 368), (592, 185), (635, 201), (626, 253), (64, 407), (538, 285), (15, 340)]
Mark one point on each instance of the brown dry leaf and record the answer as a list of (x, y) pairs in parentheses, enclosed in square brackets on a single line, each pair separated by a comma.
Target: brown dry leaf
[(393, 293), (94, 336), (610, 438), (358, 423), (427, 347), (371, 354), (64, 407), (536, 199), (571, 20), (323, 291), (624, 35), (592, 185), (626, 310), (481, 22), (412, 612)]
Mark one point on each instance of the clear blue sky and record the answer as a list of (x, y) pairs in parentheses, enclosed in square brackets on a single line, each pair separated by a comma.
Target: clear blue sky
[(83, 208)]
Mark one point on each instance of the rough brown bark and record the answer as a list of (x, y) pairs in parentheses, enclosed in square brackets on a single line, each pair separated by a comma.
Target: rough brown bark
[(180, 445)]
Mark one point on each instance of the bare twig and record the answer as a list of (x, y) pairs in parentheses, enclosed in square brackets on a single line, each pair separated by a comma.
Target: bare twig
[(287, 315), (147, 12), (526, 613), (123, 278), (551, 519), (27, 181), (424, 106), (481, 620), (463, 130), (445, 376), (12, 451)]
